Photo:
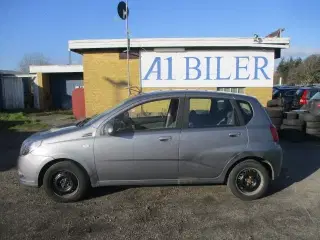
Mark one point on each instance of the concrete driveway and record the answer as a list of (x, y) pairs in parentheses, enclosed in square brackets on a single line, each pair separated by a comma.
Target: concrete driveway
[(291, 211)]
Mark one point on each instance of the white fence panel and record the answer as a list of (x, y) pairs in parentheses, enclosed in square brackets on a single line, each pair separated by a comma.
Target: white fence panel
[(12, 93)]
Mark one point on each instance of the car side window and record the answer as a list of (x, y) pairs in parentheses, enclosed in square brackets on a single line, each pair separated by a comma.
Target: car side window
[(246, 110), (211, 112), (159, 114)]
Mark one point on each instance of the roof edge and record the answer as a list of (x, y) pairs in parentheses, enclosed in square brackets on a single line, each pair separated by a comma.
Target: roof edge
[(75, 45), (55, 68)]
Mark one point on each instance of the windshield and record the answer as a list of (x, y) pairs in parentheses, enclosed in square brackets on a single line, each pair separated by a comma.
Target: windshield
[(99, 116)]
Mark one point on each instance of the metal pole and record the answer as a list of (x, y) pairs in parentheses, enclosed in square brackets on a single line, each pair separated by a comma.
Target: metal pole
[(70, 59), (128, 48)]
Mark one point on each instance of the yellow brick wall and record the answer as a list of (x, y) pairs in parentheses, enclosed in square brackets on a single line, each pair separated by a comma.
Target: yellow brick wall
[(105, 80), (263, 94), (44, 91)]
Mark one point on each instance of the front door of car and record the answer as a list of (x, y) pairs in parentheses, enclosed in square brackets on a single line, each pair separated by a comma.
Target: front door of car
[(145, 145), (210, 138)]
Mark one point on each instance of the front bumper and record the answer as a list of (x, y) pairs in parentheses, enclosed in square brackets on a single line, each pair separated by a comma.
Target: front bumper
[(29, 167)]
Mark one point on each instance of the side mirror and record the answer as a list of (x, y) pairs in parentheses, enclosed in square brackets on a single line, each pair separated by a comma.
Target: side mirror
[(109, 128)]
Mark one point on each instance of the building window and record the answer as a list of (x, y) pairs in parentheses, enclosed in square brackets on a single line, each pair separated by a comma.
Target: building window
[(132, 55), (231, 89)]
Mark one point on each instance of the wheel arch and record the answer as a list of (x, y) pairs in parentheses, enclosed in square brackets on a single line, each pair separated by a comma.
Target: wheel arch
[(49, 164), (264, 162)]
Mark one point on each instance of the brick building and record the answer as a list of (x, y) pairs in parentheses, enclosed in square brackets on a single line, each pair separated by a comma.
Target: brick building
[(243, 65)]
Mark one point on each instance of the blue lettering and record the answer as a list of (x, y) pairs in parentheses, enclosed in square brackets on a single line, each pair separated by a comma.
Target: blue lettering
[(194, 68), (169, 59), (208, 68), (256, 67), (238, 67), (219, 70), (156, 63)]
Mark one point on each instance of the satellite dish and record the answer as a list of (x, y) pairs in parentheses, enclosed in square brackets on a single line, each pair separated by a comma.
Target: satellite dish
[(122, 10)]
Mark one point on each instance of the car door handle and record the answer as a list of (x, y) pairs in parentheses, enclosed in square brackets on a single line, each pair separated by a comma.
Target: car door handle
[(165, 138), (234, 134)]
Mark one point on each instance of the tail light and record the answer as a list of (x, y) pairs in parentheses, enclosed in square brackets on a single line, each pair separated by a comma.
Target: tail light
[(274, 133), (303, 99)]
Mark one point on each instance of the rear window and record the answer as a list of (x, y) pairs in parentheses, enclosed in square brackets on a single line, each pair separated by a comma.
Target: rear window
[(312, 93), (276, 93), (246, 110), (300, 92), (316, 96)]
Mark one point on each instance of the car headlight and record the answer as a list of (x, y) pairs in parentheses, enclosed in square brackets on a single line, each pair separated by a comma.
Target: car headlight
[(28, 147)]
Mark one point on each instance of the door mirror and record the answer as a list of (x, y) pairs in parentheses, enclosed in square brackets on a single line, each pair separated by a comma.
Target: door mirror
[(109, 129)]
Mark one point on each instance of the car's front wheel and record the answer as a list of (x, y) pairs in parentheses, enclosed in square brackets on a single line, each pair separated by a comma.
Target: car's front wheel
[(249, 180), (65, 182)]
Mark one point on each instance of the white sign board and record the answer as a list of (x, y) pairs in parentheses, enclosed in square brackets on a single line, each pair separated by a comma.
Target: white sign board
[(245, 68)]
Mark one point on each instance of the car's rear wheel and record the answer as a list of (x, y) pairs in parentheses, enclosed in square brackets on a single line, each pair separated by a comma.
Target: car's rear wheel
[(65, 182), (249, 180)]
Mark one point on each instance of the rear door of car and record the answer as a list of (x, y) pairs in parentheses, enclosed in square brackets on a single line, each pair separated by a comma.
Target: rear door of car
[(205, 145)]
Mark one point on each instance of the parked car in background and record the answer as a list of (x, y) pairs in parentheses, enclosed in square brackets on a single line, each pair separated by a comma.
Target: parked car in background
[(166, 137), (303, 95), (286, 94), (313, 105)]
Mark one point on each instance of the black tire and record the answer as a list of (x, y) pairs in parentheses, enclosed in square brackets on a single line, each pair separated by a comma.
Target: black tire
[(292, 115), (313, 131), (292, 127), (275, 112), (274, 103), (262, 173), (276, 121), (68, 170), (313, 124), (301, 115), (308, 117), (293, 122)]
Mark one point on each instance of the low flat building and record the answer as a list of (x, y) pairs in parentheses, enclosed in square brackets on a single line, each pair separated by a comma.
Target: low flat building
[(242, 65)]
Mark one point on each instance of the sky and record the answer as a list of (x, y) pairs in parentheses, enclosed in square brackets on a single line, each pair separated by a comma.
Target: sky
[(45, 26)]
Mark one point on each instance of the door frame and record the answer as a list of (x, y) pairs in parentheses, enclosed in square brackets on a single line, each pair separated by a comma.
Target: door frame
[(185, 124), (180, 115)]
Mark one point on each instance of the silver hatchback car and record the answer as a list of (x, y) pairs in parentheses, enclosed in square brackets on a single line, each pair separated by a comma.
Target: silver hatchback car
[(158, 138)]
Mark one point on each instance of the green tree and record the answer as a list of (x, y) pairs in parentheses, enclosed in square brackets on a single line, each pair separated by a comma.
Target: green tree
[(285, 66), (308, 72)]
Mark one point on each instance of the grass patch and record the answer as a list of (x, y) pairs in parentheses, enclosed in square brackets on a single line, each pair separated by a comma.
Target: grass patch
[(30, 125), (63, 112), (20, 122), (19, 116)]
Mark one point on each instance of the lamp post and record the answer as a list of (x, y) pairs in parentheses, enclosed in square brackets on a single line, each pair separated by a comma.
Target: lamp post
[(128, 47)]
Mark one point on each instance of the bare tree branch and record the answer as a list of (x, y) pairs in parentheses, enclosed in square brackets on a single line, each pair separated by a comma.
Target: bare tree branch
[(32, 59)]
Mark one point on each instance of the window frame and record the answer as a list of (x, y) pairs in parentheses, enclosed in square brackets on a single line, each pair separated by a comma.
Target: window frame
[(131, 106), (187, 108), (222, 89), (237, 103)]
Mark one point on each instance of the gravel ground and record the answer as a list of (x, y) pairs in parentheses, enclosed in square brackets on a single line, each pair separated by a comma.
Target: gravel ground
[(290, 211)]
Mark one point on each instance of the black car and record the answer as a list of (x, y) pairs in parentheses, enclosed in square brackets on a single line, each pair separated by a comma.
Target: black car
[(286, 93)]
